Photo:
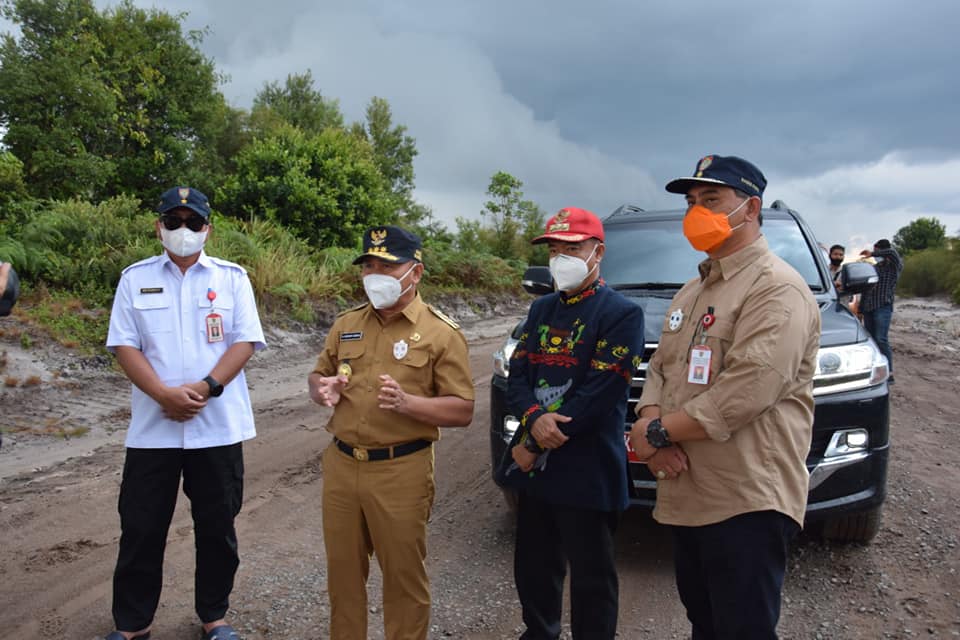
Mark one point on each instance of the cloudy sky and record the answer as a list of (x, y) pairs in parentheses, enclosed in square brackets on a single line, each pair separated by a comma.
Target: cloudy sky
[(850, 108)]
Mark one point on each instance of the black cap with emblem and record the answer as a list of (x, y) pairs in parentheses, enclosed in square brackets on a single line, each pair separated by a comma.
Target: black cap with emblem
[(391, 244), (729, 171)]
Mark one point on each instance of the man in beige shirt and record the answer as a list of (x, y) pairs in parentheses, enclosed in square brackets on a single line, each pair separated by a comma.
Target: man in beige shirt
[(726, 413), (395, 370)]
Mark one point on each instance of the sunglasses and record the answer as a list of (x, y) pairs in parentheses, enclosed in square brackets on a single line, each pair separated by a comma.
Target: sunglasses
[(172, 222)]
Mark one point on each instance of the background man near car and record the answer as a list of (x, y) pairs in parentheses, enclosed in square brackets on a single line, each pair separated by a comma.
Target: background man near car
[(876, 304), (183, 326), (395, 370), (731, 385), (837, 253), (569, 380)]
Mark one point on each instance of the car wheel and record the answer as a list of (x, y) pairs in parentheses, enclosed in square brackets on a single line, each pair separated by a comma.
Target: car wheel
[(512, 499), (856, 527)]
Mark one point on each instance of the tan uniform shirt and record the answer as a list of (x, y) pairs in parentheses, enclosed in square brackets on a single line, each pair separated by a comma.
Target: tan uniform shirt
[(758, 404), (421, 349)]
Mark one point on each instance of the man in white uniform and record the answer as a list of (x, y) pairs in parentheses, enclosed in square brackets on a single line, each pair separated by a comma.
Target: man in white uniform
[(183, 326)]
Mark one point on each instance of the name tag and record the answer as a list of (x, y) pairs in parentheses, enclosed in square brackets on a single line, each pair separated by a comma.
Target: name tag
[(348, 336), (699, 372), (151, 290)]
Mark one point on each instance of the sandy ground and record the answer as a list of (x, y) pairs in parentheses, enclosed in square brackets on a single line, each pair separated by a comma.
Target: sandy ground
[(64, 417)]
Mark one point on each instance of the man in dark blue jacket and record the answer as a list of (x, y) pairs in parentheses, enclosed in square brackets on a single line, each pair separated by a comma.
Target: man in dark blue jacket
[(569, 381)]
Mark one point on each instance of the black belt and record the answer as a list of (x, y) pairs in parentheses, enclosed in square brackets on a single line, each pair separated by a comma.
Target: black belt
[(365, 455)]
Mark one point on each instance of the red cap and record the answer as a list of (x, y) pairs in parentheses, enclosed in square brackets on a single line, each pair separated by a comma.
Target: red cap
[(572, 225)]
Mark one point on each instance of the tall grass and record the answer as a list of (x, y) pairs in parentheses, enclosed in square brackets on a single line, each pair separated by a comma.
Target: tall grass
[(70, 256), (932, 272)]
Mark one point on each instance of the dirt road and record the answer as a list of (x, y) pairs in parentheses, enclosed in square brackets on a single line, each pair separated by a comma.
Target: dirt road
[(59, 526)]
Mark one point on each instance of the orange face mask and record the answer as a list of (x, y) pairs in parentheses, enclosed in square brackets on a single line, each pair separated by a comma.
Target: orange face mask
[(706, 229)]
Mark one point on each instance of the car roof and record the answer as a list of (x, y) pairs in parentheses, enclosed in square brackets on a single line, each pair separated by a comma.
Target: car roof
[(633, 213)]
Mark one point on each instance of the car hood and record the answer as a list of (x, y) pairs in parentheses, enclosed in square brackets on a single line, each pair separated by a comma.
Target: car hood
[(838, 326)]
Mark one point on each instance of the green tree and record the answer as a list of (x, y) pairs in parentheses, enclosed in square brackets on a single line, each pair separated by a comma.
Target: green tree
[(512, 221), (296, 103), (393, 149), (12, 187), (101, 103), (922, 233), (326, 188)]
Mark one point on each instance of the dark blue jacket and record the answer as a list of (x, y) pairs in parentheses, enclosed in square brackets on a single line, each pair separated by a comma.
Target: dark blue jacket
[(576, 357)]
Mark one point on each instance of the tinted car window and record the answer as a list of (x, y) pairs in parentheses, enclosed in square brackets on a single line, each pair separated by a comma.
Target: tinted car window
[(665, 257)]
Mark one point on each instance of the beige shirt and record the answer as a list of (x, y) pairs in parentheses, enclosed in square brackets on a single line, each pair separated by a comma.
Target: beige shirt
[(420, 348), (757, 407)]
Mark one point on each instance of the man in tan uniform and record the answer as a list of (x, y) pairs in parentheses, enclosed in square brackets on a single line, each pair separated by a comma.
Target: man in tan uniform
[(730, 386), (395, 370)]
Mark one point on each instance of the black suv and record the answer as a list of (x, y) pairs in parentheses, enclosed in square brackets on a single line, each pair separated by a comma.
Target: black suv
[(648, 260)]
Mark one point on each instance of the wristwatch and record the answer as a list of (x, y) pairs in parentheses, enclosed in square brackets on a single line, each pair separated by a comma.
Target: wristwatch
[(530, 444), (657, 436), (215, 387)]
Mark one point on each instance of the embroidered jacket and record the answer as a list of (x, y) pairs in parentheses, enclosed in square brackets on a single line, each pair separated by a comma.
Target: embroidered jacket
[(576, 357)]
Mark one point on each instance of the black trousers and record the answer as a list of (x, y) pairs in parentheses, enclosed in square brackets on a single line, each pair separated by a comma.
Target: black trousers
[(730, 575), (213, 481), (549, 537)]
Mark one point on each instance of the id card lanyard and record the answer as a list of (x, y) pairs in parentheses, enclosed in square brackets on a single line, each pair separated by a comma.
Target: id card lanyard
[(214, 320), (701, 354)]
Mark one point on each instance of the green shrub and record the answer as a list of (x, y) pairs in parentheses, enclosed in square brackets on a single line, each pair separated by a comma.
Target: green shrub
[(930, 272)]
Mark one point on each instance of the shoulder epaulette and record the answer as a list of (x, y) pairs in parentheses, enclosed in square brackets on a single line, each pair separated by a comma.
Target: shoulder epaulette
[(142, 263), (226, 263), (440, 314), (351, 310)]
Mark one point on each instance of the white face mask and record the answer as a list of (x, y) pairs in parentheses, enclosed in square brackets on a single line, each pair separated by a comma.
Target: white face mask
[(182, 242), (569, 272), (383, 290)]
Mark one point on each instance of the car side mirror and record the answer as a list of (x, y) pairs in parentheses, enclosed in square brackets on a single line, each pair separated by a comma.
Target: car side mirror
[(537, 281), (857, 277)]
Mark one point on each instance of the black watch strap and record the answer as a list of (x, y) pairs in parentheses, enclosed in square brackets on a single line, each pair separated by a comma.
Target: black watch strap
[(215, 387), (657, 436), (530, 444)]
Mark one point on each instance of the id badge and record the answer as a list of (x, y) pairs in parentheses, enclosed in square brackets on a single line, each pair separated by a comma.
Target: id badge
[(214, 328), (699, 372)]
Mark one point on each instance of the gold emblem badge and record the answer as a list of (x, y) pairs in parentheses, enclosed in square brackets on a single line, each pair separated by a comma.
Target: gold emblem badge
[(184, 193), (345, 369), (704, 163), (378, 236), (415, 337)]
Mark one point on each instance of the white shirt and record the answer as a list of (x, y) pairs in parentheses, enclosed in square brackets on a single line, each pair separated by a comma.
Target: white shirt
[(162, 312)]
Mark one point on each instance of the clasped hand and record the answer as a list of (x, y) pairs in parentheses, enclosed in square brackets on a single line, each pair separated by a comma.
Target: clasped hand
[(666, 463), (184, 402)]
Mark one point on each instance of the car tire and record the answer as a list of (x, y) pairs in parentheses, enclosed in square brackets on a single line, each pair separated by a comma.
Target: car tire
[(856, 527), (512, 498)]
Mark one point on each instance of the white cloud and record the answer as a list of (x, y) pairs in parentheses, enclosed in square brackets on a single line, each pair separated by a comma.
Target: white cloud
[(856, 205)]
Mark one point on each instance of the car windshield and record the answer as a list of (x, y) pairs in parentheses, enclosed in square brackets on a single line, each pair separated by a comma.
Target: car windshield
[(654, 253)]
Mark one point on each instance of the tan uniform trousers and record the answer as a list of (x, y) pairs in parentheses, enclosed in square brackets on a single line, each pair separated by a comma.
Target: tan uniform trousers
[(380, 507)]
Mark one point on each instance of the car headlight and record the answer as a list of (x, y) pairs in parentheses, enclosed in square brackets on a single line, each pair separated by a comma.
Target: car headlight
[(853, 366), (501, 358)]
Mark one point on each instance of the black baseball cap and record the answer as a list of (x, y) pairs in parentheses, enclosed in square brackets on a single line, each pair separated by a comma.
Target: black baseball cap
[(391, 244), (184, 197), (729, 171)]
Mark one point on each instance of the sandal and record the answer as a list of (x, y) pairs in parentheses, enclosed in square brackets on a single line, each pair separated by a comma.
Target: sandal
[(223, 632)]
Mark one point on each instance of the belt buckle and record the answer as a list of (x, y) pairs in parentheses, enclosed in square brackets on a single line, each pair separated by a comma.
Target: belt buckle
[(360, 454)]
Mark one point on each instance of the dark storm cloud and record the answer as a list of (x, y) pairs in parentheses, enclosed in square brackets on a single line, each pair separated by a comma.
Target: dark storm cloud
[(848, 107)]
